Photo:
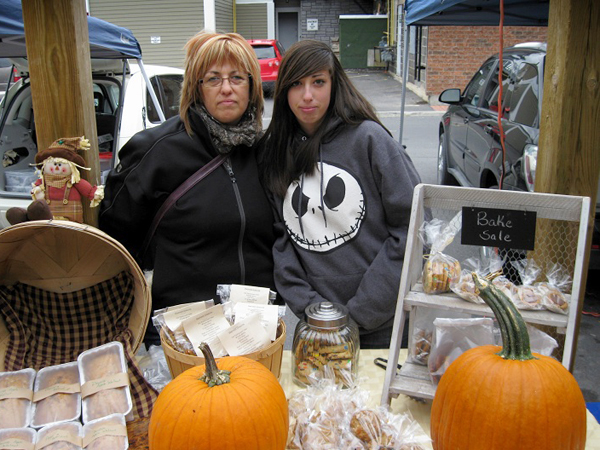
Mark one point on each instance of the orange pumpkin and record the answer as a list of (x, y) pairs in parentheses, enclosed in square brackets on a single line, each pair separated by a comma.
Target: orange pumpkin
[(239, 405), (505, 398)]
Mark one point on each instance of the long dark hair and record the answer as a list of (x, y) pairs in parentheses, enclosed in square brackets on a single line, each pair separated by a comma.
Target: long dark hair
[(280, 163)]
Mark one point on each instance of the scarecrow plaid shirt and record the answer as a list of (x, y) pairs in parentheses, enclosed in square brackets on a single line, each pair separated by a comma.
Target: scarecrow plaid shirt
[(48, 328)]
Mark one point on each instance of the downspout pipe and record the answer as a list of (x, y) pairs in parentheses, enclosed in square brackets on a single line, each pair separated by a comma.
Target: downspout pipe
[(405, 42)]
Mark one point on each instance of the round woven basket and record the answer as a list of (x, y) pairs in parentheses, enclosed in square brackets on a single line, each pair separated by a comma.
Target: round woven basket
[(61, 256), (269, 356)]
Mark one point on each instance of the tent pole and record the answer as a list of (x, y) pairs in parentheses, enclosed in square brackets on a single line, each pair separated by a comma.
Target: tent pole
[(405, 40), (159, 110)]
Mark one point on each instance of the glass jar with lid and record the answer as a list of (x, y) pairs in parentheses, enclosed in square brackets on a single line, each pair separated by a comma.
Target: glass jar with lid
[(326, 337)]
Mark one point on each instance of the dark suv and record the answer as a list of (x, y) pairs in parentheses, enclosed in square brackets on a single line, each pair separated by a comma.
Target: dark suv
[(469, 149)]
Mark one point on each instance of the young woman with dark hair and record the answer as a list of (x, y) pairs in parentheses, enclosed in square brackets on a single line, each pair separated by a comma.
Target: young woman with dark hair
[(342, 191)]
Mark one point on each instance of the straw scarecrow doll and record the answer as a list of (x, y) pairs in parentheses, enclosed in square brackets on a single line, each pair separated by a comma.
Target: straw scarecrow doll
[(59, 192)]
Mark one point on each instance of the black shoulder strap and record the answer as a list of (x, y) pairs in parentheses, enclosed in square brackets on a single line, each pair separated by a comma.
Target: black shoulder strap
[(176, 195)]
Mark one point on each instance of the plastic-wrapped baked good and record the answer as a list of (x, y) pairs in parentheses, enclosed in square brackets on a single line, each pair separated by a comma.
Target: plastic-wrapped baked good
[(465, 288), (105, 385), (422, 346), (453, 337), (323, 416), (61, 436), (109, 432), (16, 391), (17, 438), (553, 299), (529, 297), (506, 286), (59, 387), (439, 272), (366, 425)]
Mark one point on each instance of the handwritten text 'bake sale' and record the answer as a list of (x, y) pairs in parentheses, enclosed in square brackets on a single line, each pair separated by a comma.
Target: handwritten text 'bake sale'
[(497, 222)]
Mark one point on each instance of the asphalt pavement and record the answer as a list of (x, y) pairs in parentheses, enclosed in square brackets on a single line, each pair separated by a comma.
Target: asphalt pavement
[(421, 121)]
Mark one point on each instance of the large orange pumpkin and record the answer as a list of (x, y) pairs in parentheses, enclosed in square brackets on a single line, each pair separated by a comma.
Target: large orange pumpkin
[(239, 405), (506, 398)]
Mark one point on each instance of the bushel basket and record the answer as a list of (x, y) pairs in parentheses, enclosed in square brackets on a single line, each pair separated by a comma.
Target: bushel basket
[(67, 287)]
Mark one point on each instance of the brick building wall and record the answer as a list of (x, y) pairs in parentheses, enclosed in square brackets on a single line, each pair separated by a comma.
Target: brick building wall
[(455, 53), (328, 14)]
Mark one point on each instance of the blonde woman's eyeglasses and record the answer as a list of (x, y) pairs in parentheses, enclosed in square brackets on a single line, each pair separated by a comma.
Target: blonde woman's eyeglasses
[(234, 80)]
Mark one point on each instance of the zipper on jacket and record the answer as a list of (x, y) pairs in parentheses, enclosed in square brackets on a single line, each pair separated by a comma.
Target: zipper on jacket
[(238, 199)]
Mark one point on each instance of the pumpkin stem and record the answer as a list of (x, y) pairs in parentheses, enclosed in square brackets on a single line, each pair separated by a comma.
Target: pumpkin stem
[(213, 375), (515, 338)]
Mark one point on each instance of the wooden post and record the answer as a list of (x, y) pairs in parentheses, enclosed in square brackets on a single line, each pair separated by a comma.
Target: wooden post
[(61, 79), (568, 160)]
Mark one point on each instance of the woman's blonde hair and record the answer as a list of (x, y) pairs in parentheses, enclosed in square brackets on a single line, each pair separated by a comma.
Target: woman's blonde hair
[(206, 49)]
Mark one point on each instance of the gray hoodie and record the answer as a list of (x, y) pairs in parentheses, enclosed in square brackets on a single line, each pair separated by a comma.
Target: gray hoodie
[(341, 232)]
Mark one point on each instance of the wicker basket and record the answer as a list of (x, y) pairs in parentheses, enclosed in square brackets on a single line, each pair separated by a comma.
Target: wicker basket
[(61, 257), (269, 356)]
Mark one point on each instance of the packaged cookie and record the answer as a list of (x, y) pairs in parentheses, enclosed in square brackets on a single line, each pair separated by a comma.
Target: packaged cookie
[(489, 268), (439, 272), (18, 438), (440, 269), (16, 392), (553, 298), (554, 291), (529, 296), (506, 286), (104, 382), (109, 432), (60, 436), (56, 396), (327, 337), (465, 288)]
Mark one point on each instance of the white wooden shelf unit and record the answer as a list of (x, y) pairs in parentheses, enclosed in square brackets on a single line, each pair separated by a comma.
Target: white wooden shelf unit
[(570, 216)]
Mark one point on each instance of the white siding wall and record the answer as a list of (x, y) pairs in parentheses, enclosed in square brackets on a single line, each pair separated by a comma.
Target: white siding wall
[(224, 16), (252, 20), (173, 22)]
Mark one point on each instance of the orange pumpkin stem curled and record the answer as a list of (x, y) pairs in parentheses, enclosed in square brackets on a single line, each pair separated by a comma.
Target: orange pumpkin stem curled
[(213, 375), (515, 338)]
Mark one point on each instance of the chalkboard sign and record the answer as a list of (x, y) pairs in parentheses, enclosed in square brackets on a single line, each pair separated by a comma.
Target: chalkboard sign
[(502, 228)]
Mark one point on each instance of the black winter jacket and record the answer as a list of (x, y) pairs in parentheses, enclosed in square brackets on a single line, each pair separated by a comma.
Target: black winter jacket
[(220, 232)]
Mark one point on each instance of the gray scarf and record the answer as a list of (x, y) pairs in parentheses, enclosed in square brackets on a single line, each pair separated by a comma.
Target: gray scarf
[(225, 137)]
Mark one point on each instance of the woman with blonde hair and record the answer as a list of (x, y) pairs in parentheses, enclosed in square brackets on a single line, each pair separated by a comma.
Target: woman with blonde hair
[(220, 231)]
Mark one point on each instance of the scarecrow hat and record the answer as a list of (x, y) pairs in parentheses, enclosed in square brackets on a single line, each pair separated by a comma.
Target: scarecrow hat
[(65, 148)]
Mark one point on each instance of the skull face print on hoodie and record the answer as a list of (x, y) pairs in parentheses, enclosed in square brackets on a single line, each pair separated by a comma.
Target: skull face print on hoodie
[(341, 230)]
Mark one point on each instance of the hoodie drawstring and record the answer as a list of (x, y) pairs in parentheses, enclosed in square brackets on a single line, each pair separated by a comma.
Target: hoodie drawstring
[(300, 205), (321, 187)]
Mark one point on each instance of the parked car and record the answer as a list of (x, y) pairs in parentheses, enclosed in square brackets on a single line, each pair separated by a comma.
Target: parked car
[(470, 152), (6, 72), (269, 53), (115, 126), (128, 97)]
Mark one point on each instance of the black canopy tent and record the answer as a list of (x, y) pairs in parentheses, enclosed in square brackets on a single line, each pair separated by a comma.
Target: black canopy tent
[(465, 13)]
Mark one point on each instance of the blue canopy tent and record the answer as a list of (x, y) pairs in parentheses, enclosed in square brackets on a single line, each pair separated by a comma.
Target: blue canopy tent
[(465, 13), (107, 41), (476, 12)]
